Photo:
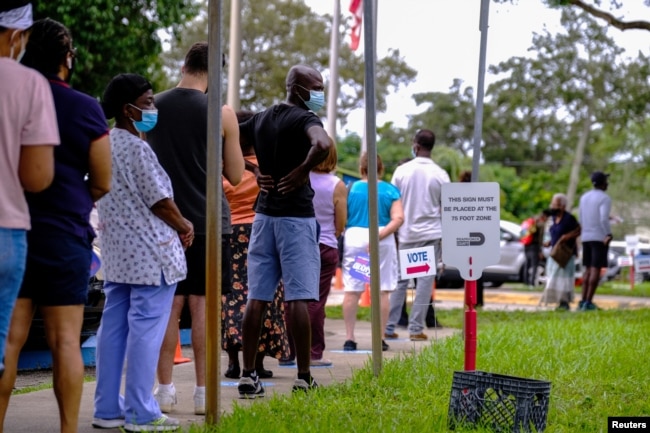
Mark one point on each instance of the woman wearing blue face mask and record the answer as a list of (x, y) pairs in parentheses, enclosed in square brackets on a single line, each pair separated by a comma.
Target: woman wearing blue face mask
[(142, 237)]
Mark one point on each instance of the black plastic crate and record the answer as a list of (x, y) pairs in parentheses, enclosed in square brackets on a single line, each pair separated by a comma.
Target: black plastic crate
[(503, 403)]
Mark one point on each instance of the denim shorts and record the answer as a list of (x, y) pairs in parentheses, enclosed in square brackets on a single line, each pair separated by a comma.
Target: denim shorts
[(58, 269), (287, 248)]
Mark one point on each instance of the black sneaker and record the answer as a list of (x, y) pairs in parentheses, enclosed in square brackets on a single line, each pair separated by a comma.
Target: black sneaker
[(250, 387), (384, 346), (302, 385), (349, 346)]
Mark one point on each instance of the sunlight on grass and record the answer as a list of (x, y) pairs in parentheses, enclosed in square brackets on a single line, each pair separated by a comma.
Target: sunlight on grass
[(596, 362)]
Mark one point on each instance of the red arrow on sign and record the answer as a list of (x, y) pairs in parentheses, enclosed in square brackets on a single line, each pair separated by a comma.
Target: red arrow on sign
[(416, 269)]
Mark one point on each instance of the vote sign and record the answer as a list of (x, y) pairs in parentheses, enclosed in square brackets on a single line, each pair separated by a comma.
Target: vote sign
[(417, 262), (642, 263), (471, 233)]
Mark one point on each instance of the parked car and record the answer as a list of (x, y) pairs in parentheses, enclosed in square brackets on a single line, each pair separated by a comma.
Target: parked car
[(510, 267), (643, 248)]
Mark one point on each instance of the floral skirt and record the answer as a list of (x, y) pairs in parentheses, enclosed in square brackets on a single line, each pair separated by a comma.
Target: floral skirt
[(273, 339)]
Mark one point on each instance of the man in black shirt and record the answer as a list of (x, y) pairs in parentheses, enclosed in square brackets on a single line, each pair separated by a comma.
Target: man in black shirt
[(289, 142)]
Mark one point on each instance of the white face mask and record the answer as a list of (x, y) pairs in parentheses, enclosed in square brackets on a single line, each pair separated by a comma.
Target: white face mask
[(22, 46)]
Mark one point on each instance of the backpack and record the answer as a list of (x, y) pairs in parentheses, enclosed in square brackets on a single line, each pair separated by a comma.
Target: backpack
[(528, 230)]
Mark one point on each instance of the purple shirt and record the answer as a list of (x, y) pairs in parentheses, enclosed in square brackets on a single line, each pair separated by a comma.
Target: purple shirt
[(66, 203)]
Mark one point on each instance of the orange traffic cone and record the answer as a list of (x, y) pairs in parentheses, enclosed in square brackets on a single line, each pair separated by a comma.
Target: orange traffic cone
[(365, 297), (178, 357), (338, 279)]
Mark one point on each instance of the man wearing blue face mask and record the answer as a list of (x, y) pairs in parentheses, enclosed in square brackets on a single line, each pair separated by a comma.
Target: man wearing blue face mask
[(289, 141)]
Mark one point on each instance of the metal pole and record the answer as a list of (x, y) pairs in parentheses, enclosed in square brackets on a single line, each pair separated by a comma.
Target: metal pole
[(478, 118), (234, 55), (369, 9), (213, 217), (470, 325), (333, 93)]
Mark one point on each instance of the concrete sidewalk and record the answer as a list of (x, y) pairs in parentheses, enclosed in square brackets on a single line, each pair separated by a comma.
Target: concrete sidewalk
[(37, 411)]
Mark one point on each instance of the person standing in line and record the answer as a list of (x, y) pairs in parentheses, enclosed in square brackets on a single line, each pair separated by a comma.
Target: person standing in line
[(274, 339), (560, 281), (330, 205), (357, 239), (420, 183), (533, 240), (180, 142), (28, 135), (289, 141), (142, 236), (595, 207)]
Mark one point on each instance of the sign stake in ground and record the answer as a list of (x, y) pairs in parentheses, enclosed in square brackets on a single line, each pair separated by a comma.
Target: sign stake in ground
[(471, 237)]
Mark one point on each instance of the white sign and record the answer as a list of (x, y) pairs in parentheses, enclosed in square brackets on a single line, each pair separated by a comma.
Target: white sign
[(642, 264), (417, 262), (631, 242), (624, 261), (471, 232)]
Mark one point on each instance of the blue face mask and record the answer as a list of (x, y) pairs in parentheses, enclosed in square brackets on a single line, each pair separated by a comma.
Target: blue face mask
[(149, 120), (316, 99)]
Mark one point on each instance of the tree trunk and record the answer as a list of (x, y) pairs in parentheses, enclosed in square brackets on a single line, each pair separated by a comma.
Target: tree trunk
[(577, 160)]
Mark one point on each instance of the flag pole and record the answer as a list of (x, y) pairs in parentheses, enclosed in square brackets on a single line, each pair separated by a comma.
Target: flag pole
[(234, 55), (213, 218), (369, 17), (333, 93)]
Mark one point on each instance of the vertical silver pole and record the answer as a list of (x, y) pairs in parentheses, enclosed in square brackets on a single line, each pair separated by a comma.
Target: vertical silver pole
[(478, 118), (234, 55), (213, 217), (369, 14), (333, 91)]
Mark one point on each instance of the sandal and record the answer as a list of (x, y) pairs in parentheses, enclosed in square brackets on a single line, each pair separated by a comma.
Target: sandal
[(233, 371)]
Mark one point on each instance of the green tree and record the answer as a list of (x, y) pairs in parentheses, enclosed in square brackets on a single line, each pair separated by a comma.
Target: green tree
[(577, 85), (604, 10), (277, 34), (115, 36)]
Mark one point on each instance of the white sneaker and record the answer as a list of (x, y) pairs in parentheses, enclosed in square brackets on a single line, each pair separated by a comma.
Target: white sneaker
[(165, 400), (199, 402), (164, 423), (108, 423)]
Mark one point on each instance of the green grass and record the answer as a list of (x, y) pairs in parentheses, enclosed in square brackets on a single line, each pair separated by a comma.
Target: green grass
[(597, 364), (617, 287), (42, 386)]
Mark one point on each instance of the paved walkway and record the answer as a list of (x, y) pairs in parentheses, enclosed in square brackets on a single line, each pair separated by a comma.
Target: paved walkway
[(37, 411)]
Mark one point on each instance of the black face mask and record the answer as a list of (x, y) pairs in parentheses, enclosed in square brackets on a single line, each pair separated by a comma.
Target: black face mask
[(554, 212)]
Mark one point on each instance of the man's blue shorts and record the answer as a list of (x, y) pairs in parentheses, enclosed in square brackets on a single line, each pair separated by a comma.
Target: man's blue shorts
[(287, 248)]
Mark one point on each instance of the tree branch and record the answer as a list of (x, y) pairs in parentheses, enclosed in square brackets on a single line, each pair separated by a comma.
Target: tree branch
[(610, 19)]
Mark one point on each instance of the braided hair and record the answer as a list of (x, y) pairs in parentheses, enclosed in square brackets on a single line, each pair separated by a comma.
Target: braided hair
[(49, 44)]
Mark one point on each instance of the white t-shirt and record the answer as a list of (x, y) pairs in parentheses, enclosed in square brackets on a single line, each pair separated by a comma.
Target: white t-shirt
[(27, 117), (420, 182)]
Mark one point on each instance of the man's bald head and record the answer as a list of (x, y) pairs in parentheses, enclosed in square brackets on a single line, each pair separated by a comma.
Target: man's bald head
[(300, 80)]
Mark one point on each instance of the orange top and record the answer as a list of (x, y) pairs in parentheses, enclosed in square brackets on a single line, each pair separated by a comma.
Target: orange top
[(242, 197)]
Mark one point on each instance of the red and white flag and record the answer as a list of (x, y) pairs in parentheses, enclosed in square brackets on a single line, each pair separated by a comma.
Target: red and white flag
[(356, 7)]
